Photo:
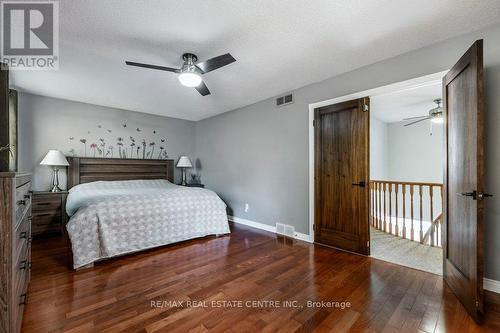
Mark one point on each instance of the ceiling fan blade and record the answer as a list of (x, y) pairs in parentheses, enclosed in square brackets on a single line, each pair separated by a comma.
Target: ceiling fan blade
[(416, 117), (161, 68), (417, 121), (214, 63), (202, 89)]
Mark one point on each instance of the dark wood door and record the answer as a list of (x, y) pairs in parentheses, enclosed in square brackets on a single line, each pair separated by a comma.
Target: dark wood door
[(463, 181), (341, 175)]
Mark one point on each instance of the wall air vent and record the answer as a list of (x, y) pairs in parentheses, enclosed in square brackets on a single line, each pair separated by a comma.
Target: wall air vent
[(284, 100)]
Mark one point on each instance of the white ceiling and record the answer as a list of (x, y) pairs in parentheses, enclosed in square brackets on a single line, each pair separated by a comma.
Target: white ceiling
[(395, 106), (279, 45)]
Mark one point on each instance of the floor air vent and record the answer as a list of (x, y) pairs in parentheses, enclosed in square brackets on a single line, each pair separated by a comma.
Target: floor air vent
[(285, 229), (284, 100)]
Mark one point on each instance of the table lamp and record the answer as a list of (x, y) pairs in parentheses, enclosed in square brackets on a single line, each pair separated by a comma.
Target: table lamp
[(184, 163), (55, 159)]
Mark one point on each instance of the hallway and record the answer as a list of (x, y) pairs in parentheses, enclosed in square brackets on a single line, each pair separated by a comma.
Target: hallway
[(406, 252)]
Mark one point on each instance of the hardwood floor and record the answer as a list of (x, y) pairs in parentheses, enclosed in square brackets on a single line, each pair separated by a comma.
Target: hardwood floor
[(250, 265)]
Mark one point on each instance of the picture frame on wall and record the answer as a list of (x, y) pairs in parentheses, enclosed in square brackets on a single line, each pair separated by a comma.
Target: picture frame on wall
[(8, 124), (13, 130)]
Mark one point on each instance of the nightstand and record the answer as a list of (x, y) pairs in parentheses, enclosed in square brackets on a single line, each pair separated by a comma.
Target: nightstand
[(195, 185), (48, 213)]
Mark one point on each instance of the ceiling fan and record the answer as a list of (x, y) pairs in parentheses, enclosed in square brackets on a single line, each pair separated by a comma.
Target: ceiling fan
[(435, 115), (191, 71)]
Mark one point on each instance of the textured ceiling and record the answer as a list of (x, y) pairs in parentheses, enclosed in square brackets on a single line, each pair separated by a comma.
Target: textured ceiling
[(396, 106), (279, 45)]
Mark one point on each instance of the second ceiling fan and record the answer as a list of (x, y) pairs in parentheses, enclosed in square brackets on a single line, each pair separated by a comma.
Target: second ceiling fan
[(191, 70), (434, 114)]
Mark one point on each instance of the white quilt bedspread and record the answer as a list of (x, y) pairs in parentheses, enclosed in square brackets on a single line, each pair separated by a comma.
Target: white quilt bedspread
[(117, 217)]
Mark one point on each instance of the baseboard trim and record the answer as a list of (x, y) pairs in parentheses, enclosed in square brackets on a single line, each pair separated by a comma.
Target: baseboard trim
[(266, 227), (491, 285)]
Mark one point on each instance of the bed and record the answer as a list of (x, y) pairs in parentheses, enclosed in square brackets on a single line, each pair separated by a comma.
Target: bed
[(120, 206)]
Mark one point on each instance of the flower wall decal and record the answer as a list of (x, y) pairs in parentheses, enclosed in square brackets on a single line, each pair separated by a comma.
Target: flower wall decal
[(93, 149), (126, 146)]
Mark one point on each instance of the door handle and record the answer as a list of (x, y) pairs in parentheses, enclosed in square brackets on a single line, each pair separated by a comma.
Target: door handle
[(362, 183), (482, 195), (476, 195)]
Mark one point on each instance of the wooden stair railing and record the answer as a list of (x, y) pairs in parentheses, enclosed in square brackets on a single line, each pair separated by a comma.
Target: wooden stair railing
[(433, 232), (394, 207)]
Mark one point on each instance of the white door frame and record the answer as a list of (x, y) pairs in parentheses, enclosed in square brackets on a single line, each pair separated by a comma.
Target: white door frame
[(391, 88)]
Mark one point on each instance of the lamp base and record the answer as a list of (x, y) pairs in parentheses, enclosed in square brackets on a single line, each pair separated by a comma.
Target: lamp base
[(56, 188), (183, 180), (55, 181)]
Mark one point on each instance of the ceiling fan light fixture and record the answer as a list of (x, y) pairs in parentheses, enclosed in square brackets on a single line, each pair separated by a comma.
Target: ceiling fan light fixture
[(437, 120), (190, 79)]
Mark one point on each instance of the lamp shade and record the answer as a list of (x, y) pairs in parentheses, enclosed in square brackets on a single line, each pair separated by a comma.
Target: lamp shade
[(184, 162), (54, 157)]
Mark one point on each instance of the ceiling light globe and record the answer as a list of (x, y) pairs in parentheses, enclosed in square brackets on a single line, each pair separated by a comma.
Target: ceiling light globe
[(437, 120), (190, 79)]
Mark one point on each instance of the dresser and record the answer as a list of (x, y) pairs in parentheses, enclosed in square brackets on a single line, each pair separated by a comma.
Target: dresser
[(15, 248), (49, 216)]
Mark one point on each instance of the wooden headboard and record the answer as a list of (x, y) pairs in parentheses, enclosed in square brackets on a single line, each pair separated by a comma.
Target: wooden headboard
[(87, 169)]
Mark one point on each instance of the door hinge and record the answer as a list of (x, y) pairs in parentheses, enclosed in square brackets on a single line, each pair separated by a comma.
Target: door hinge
[(368, 244), (477, 304), (314, 227), (314, 122), (366, 107)]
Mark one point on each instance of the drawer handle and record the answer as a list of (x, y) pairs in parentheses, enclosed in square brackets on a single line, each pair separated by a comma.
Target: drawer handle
[(24, 298), (23, 234), (21, 202), (43, 203), (44, 214), (23, 265)]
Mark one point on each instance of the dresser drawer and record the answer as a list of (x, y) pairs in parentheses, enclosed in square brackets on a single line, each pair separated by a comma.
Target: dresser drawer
[(22, 268), (48, 213), (20, 299), (42, 218), (22, 236), (45, 223), (46, 203), (23, 200)]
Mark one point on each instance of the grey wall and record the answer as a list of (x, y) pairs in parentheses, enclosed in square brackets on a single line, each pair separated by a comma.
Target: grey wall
[(259, 154), (413, 154), (48, 123), (379, 149)]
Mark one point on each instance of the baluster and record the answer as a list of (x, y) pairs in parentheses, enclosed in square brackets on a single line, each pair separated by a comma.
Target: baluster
[(421, 234), (379, 206), (437, 233), (371, 203), (375, 204), (411, 212), (404, 209), (390, 209), (442, 217), (431, 192), (375, 195), (396, 195), (385, 204)]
